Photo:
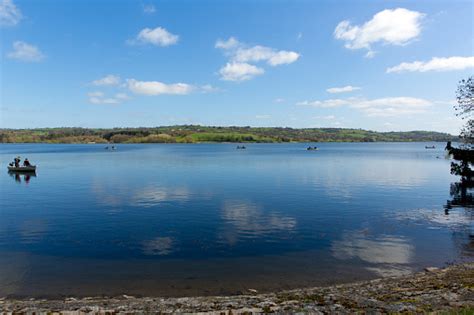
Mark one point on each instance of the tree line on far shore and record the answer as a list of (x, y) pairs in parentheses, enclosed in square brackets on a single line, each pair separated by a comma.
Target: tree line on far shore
[(197, 134)]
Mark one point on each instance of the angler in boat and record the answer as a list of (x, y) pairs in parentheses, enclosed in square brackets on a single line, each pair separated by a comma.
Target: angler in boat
[(26, 167)]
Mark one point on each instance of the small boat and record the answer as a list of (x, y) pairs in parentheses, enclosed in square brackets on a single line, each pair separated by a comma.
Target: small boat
[(430, 147), (31, 168), (241, 147), (312, 148)]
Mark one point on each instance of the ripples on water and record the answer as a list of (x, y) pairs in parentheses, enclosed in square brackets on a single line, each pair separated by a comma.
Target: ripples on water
[(210, 219)]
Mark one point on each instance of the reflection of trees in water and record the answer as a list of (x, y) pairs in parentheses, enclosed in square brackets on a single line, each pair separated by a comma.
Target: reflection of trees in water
[(462, 199), (462, 196)]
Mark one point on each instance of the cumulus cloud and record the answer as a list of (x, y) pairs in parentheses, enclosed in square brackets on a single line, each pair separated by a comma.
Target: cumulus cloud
[(98, 97), (242, 59), (10, 15), (380, 107), (25, 52), (227, 44), (158, 36), (344, 89), (239, 71), (108, 80), (261, 53), (396, 27), (158, 88), (435, 64)]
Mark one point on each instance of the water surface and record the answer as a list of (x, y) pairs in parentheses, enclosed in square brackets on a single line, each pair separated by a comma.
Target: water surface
[(191, 219)]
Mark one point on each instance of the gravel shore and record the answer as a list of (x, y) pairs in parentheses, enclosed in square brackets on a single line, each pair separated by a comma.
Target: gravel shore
[(449, 290)]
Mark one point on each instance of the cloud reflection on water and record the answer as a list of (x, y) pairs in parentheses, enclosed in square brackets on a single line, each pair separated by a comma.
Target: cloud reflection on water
[(244, 219), (152, 196), (389, 254), (119, 195), (382, 173), (159, 246), (438, 218)]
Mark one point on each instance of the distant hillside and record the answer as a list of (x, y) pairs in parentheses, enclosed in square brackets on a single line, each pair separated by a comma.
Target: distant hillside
[(195, 134)]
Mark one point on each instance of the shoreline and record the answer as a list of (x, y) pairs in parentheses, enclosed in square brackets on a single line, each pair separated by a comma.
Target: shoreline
[(449, 289)]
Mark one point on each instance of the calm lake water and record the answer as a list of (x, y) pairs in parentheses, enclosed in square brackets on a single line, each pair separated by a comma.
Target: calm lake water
[(191, 219)]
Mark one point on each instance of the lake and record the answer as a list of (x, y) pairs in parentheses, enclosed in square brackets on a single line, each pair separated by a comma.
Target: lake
[(201, 219)]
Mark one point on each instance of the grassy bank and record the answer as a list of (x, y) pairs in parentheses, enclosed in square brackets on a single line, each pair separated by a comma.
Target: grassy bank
[(196, 134)]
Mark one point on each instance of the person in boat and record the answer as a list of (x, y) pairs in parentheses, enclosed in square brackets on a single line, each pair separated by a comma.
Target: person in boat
[(26, 163), (17, 161)]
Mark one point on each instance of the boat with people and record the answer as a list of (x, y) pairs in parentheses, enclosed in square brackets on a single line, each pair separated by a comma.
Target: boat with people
[(430, 147), (31, 168), (312, 148), (241, 147), (15, 166)]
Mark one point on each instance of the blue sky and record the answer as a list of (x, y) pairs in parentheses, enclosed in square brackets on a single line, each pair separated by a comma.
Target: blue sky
[(376, 65)]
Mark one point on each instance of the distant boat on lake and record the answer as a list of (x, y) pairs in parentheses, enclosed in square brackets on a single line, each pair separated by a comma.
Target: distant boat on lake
[(241, 147), (312, 148), (31, 168), (430, 147)]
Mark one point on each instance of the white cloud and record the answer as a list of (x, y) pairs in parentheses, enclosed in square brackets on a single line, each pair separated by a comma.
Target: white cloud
[(392, 106), (283, 57), (344, 89), (380, 107), (299, 36), (240, 66), (237, 71), (279, 100), (326, 103), (10, 15), (158, 37), (158, 88), (396, 27), (227, 44), (149, 9), (435, 64), (263, 116), (98, 97), (25, 52), (107, 80), (262, 53)]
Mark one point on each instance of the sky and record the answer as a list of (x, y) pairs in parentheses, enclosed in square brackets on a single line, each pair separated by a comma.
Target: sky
[(377, 65)]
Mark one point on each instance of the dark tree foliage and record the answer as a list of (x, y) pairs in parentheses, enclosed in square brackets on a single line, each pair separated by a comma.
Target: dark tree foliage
[(465, 107)]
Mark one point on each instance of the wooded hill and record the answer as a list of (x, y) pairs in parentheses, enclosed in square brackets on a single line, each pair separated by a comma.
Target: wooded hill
[(196, 134)]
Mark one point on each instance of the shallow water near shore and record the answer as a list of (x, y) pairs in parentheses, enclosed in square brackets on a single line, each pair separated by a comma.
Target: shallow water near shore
[(202, 219)]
